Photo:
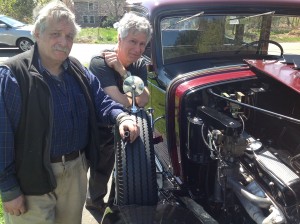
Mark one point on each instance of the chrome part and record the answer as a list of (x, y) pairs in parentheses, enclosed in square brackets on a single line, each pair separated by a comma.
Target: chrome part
[(133, 84)]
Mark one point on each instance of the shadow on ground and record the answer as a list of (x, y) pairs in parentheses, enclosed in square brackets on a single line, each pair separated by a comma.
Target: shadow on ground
[(96, 214), (91, 216), (9, 52)]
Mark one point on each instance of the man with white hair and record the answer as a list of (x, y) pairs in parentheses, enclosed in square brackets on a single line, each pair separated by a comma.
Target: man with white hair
[(112, 66), (49, 107)]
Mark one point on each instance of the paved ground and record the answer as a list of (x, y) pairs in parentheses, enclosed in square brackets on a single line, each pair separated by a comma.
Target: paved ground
[(90, 217), (83, 52), (93, 217)]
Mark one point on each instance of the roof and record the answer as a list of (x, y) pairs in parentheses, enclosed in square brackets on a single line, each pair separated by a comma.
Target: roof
[(157, 3), (151, 6)]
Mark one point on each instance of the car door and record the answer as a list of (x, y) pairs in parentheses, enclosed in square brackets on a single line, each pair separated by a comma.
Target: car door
[(6, 34)]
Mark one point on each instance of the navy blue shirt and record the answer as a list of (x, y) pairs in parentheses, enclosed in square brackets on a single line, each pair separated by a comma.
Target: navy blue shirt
[(70, 110)]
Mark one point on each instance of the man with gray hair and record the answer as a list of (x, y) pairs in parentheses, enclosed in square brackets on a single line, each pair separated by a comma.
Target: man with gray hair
[(112, 66), (50, 105)]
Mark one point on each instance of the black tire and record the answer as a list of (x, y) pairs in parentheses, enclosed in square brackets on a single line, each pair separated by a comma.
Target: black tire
[(135, 176)]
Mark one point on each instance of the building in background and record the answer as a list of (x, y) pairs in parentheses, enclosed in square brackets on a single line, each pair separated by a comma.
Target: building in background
[(70, 4), (92, 13)]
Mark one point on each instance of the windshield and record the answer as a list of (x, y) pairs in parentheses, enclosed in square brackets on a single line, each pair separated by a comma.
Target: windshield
[(12, 22), (197, 36)]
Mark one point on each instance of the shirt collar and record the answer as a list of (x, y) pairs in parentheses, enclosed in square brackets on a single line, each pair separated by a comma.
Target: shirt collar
[(65, 65)]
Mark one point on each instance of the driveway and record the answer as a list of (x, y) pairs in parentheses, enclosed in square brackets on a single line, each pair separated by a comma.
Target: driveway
[(93, 217), (83, 52), (5, 53)]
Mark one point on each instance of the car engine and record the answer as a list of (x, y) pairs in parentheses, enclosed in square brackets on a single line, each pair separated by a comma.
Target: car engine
[(247, 154)]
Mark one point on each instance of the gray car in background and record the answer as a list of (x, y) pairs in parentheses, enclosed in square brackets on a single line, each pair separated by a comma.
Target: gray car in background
[(15, 33)]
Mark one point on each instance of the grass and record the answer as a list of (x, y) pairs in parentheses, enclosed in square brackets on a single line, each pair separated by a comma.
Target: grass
[(285, 39), (97, 36), (291, 36), (1, 213)]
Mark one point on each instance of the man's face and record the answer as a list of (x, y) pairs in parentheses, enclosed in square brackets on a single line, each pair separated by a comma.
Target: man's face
[(56, 42), (132, 47)]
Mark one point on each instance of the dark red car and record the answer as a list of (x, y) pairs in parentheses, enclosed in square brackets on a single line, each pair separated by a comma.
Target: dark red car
[(224, 77)]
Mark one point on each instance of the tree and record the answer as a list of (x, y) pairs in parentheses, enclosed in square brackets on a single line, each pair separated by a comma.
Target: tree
[(20, 9), (23, 9), (6, 7), (115, 8)]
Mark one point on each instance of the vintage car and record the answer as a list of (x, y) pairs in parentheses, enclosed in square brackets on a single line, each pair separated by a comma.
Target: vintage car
[(220, 140)]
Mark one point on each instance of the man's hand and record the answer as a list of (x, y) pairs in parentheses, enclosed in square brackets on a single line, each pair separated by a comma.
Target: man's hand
[(112, 60), (16, 206), (131, 127)]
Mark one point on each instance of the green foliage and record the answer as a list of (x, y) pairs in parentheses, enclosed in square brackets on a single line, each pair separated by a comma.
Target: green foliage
[(6, 7), (109, 21), (23, 10), (212, 38), (20, 9), (1, 213), (97, 36)]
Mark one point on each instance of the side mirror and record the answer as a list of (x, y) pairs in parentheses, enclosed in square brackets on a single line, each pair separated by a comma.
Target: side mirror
[(133, 86), (2, 25)]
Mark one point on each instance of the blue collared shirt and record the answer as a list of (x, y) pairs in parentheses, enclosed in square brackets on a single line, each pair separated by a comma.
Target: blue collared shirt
[(70, 112)]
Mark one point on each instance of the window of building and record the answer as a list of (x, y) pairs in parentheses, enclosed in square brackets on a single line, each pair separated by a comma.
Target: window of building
[(85, 19), (91, 6), (92, 19), (88, 19)]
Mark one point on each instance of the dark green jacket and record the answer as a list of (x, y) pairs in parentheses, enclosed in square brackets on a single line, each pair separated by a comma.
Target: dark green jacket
[(33, 135)]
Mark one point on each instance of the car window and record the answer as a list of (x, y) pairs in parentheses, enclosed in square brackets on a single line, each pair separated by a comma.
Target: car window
[(188, 37), (12, 22)]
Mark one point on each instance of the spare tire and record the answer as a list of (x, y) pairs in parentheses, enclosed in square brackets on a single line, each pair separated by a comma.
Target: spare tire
[(135, 173)]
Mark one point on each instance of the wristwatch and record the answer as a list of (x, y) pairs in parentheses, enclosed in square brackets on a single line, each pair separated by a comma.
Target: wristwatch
[(127, 74)]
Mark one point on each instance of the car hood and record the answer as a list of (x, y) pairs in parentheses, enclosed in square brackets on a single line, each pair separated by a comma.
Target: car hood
[(26, 28)]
